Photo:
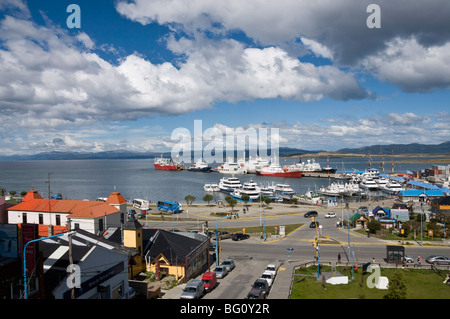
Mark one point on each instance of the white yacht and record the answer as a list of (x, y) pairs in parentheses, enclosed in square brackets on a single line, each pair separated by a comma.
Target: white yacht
[(381, 182), (369, 184), (392, 188), (249, 188), (232, 167), (211, 187), (256, 164), (228, 185), (284, 191)]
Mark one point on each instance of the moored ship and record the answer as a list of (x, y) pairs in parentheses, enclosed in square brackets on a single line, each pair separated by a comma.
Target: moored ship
[(276, 170), (166, 164)]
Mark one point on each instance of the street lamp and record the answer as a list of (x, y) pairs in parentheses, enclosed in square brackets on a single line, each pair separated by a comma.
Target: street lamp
[(25, 260), (217, 240)]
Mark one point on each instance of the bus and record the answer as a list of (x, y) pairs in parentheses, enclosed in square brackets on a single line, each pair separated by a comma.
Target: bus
[(141, 204), (167, 206)]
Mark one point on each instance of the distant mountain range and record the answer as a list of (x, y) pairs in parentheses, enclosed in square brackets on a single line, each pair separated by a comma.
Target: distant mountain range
[(400, 149), (396, 149)]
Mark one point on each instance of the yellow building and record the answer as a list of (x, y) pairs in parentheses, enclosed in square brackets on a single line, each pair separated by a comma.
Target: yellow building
[(132, 238)]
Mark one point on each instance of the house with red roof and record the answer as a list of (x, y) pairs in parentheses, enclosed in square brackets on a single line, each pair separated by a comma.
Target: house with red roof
[(59, 215)]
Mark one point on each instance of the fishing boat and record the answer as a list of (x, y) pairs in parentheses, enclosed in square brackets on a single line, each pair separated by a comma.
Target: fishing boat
[(166, 164), (274, 169), (309, 198), (200, 166)]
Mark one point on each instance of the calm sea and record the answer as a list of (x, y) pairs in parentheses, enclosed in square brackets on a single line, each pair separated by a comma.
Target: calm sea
[(90, 179)]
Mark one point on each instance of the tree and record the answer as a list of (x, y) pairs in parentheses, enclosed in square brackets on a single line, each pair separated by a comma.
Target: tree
[(246, 199), (396, 287), (207, 198), (267, 200), (373, 225), (231, 201), (12, 193), (189, 199)]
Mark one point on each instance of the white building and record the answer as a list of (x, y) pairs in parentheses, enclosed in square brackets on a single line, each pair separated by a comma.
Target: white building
[(62, 215)]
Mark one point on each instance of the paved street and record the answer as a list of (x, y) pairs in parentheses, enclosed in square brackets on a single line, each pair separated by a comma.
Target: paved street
[(252, 255)]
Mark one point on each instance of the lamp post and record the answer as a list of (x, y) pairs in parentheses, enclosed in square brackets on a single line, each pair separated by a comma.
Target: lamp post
[(217, 240), (25, 260)]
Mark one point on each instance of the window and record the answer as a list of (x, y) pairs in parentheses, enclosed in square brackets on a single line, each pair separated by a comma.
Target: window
[(41, 219), (117, 291), (24, 218), (100, 225), (58, 220)]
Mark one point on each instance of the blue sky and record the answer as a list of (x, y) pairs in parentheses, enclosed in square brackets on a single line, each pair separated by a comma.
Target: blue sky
[(137, 70)]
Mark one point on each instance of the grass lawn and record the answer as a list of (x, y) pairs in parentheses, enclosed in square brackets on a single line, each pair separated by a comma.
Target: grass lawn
[(420, 284)]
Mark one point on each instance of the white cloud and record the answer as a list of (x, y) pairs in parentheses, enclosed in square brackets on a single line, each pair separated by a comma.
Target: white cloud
[(412, 66)]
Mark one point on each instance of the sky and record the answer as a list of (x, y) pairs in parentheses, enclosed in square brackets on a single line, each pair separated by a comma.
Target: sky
[(319, 75)]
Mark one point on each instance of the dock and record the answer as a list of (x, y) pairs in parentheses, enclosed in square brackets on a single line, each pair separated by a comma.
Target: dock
[(318, 175)]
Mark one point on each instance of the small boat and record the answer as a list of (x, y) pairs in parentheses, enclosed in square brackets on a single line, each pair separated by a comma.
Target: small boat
[(166, 164), (308, 198), (211, 187), (200, 166), (284, 191), (228, 185)]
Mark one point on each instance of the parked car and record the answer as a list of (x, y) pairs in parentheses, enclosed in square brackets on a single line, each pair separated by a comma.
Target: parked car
[(223, 234), (409, 259), (330, 215), (209, 280), (311, 214), (229, 264), (268, 277), (193, 290), (239, 236), (221, 271), (272, 269), (314, 224), (262, 285), (256, 294), (438, 260)]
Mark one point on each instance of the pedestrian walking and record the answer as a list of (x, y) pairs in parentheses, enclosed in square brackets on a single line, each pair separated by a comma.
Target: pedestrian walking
[(339, 258), (419, 260)]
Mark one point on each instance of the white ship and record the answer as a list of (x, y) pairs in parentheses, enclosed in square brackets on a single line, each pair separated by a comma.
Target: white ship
[(228, 185), (232, 167)]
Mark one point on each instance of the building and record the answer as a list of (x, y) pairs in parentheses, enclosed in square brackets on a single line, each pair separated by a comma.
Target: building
[(417, 195), (182, 255), (441, 207), (101, 267), (92, 216)]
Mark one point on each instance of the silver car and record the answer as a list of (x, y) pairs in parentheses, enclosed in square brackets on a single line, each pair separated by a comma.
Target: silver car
[(221, 271), (193, 290), (229, 264), (438, 260)]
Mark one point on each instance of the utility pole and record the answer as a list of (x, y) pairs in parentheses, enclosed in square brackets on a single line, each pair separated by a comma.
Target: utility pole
[(207, 243), (50, 228), (71, 266)]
